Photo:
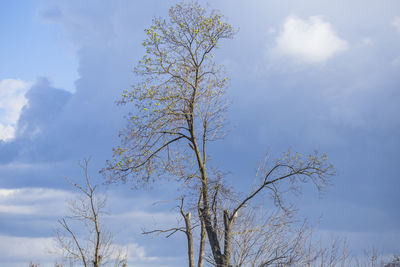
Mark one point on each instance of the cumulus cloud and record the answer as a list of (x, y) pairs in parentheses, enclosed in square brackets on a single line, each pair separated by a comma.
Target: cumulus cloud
[(310, 41), (396, 23), (35, 114), (7, 132), (136, 253), (44, 104), (12, 100)]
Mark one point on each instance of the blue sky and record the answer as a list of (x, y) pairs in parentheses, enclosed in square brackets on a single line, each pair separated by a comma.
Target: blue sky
[(312, 75)]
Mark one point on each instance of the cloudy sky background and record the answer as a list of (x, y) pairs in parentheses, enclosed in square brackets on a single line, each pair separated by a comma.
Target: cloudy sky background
[(304, 75)]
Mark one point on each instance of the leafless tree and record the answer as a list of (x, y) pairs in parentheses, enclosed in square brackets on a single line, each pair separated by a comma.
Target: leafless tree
[(394, 262), (337, 254), (371, 258), (178, 109), (81, 236), (274, 242), (37, 264)]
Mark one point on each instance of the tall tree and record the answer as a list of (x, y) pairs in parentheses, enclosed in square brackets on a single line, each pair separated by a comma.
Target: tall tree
[(179, 108)]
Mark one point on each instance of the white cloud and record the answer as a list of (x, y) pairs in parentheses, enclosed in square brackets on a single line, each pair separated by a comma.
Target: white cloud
[(19, 251), (26, 249), (396, 23), (29, 194), (12, 99), (310, 41), (17, 209), (135, 253), (33, 201), (7, 132)]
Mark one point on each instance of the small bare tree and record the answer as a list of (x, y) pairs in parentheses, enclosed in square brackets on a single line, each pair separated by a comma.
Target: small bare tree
[(81, 235), (268, 240), (394, 262)]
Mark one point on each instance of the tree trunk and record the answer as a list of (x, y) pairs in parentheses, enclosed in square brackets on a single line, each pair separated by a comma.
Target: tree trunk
[(189, 236), (227, 238), (206, 213), (202, 236), (228, 224)]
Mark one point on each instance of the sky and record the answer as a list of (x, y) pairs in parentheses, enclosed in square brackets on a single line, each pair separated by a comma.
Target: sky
[(305, 75)]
